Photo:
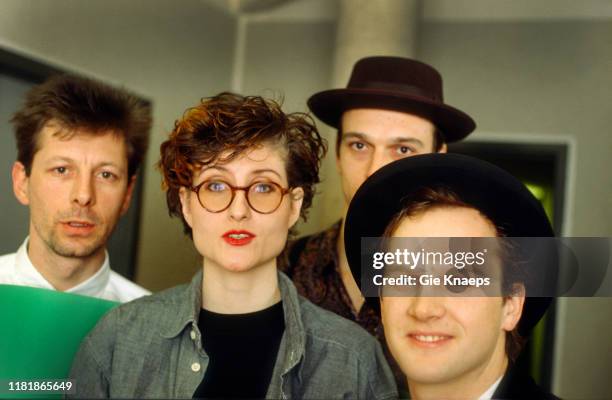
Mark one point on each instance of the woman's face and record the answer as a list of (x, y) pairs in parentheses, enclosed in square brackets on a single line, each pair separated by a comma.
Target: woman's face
[(239, 238)]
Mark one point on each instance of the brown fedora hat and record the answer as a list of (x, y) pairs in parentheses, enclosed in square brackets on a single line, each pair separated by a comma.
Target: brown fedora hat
[(398, 84)]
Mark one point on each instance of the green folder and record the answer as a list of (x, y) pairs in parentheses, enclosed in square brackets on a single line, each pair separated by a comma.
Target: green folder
[(40, 332)]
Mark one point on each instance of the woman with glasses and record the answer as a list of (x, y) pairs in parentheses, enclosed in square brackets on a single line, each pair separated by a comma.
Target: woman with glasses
[(239, 173)]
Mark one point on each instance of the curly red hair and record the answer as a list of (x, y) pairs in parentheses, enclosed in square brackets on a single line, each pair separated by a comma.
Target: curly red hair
[(231, 124)]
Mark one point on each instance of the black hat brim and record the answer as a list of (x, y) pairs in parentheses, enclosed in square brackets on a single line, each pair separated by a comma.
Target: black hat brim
[(493, 191), (329, 106)]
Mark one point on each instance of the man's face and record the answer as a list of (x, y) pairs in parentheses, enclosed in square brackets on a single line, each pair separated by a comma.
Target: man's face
[(77, 190), (372, 138), (448, 340)]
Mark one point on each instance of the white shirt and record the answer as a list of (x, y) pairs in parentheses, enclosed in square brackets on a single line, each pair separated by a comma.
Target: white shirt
[(488, 395), (17, 269)]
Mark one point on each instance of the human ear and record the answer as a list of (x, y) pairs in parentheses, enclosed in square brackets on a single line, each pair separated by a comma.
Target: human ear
[(443, 148), (128, 195), (338, 165), (382, 309), (184, 196), (20, 183), (297, 198), (513, 307), (338, 149)]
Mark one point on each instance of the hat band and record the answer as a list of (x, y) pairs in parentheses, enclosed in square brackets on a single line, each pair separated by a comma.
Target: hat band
[(398, 87)]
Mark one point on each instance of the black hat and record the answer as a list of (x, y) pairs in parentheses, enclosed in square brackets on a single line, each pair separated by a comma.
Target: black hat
[(394, 83), (490, 189)]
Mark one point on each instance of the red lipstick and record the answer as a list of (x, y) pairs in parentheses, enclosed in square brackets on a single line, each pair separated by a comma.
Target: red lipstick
[(238, 238)]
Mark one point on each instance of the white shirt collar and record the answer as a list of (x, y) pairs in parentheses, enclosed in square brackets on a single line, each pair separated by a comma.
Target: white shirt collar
[(27, 275), (489, 392)]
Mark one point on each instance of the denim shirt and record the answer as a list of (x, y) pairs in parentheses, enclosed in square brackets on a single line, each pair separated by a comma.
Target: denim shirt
[(151, 348)]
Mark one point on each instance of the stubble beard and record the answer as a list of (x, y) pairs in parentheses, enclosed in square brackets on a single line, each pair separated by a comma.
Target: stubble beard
[(69, 247), (76, 247)]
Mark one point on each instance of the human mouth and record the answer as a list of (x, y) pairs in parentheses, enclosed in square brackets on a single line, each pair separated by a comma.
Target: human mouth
[(79, 224), (238, 238), (78, 227), (429, 339)]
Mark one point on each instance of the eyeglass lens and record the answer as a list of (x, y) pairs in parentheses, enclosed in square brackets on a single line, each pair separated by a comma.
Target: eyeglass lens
[(263, 197)]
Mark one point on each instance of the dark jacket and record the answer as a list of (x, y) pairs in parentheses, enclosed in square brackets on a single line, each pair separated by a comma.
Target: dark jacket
[(517, 384)]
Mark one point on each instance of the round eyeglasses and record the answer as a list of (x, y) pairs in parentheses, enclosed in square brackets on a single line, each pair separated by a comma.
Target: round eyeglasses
[(216, 195)]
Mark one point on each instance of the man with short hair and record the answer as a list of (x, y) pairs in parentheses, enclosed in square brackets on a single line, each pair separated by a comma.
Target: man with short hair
[(392, 108), (79, 145), (453, 339)]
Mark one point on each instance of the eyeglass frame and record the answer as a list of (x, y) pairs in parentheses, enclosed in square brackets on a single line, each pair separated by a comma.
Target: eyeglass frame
[(246, 189)]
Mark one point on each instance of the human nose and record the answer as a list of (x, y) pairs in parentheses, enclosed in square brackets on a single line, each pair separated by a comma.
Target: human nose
[(426, 308), (83, 191), (239, 207), (378, 161)]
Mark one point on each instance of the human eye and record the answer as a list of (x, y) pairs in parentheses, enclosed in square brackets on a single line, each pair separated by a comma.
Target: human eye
[(357, 145), (263, 187), (60, 170), (403, 150), (108, 176), (216, 186)]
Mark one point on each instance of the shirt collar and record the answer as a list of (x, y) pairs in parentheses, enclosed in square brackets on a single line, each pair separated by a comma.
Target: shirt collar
[(28, 275), (188, 303), (491, 390), (295, 334)]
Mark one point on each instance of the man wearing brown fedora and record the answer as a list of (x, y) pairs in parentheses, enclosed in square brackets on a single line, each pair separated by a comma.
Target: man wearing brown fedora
[(392, 108)]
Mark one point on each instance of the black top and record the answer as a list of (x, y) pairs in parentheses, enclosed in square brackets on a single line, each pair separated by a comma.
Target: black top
[(242, 349)]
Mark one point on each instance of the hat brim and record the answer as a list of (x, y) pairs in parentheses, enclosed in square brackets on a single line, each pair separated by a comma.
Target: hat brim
[(493, 191), (329, 105)]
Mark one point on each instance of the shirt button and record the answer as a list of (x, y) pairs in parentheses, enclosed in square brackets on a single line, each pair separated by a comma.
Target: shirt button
[(195, 367), (192, 334)]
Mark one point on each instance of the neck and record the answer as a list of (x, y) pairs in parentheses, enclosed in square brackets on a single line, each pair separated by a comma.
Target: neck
[(63, 273), (470, 385), (346, 275), (239, 292)]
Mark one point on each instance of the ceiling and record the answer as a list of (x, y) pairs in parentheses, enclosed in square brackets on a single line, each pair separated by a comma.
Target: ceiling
[(446, 10)]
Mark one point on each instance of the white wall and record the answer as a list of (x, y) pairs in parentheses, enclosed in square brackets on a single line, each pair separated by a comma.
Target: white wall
[(171, 52), (14, 216), (293, 59)]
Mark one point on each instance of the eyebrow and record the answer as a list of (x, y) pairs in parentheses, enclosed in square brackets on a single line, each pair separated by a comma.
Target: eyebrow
[(71, 160), (264, 170), (395, 140), (255, 172)]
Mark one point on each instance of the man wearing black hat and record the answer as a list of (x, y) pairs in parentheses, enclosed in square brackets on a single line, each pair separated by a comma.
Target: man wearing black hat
[(392, 108), (455, 346)]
